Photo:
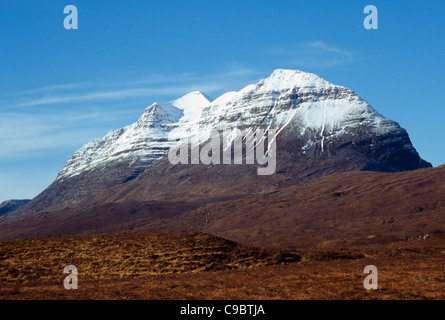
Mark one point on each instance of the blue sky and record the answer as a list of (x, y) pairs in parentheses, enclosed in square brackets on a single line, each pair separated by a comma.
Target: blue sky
[(61, 88)]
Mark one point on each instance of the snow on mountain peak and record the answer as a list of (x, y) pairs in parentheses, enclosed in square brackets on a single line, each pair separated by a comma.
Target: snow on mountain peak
[(279, 80), (192, 103), (313, 107), (282, 79), (143, 140)]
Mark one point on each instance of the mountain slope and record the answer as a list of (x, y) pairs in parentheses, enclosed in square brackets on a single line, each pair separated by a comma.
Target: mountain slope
[(349, 205)]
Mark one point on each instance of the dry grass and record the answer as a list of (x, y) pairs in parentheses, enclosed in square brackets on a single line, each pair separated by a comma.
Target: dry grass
[(127, 255), (198, 266)]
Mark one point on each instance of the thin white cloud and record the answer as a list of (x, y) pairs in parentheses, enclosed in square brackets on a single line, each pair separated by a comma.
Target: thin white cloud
[(156, 86), (25, 129), (24, 134), (314, 55), (108, 95), (58, 87)]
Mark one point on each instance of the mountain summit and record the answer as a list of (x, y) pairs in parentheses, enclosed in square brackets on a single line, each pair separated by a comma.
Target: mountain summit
[(322, 129)]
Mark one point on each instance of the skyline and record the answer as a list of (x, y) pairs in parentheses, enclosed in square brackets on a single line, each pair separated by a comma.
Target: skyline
[(60, 89)]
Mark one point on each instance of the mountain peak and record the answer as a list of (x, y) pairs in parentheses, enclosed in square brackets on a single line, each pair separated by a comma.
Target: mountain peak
[(197, 94), (158, 113), (282, 79), (192, 103)]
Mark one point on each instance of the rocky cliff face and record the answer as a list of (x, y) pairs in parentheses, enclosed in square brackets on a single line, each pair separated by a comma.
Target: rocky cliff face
[(322, 128)]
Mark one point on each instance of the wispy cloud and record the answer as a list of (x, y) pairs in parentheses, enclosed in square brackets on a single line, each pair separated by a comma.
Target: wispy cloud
[(155, 85), (57, 87), (24, 134), (108, 95), (314, 55), (66, 116)]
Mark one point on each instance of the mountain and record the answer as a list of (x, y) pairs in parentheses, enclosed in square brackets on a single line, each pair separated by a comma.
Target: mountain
[(321, 129), (11, 205)]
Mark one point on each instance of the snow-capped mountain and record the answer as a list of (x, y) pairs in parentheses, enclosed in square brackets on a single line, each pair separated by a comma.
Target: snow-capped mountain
[(322, 128), (290, 99), (141, 142)]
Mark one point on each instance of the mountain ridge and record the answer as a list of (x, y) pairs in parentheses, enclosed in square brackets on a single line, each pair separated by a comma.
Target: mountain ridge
[(8, 206)]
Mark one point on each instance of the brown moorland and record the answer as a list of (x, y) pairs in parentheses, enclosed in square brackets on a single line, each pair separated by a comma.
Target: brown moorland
[(337, 225), (199, 266)]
